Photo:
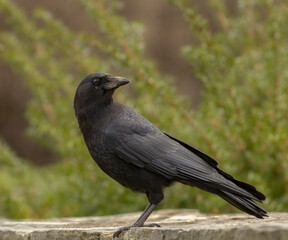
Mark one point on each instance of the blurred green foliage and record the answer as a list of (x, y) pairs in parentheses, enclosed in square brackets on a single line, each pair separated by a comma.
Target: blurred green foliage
[(242, 121)]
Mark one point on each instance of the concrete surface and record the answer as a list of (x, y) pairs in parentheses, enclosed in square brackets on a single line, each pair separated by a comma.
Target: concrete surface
[(175, 224)]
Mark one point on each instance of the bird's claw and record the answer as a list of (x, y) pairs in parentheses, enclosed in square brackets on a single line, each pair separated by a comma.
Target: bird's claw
[(119, 231), (124, 229)]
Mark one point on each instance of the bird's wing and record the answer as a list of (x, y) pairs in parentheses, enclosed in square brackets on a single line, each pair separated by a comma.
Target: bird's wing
[(157, 152), (153, 150), (204, 156)]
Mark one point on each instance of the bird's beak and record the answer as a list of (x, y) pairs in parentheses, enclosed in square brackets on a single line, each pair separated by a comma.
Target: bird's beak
[(115, 82)]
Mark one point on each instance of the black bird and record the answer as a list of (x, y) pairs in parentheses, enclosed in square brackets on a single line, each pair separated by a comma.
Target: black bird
[(135, 153)]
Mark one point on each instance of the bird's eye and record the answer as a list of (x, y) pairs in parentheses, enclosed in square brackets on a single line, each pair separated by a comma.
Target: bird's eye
[(96, 81)]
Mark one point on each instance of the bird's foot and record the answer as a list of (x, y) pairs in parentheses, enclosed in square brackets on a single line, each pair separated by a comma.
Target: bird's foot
[(120, 230), (124, 229)]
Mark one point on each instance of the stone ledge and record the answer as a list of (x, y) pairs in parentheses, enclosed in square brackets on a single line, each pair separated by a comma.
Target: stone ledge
[(176, 224)]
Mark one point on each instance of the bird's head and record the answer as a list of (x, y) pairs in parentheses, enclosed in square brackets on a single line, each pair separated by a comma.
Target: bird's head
[(97, 88)]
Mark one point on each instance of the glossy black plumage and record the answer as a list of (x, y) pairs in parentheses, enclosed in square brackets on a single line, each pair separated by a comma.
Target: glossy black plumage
[(142, 158)]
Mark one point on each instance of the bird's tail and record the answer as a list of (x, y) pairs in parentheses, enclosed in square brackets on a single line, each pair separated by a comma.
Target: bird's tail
[(240, 194), (244, 203)]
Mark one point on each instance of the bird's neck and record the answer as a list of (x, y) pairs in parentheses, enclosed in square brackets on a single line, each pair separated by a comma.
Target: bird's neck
[(94, 111)]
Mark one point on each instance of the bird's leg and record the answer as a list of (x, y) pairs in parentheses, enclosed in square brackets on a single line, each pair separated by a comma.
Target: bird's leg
[(140, 221), (146, 213)]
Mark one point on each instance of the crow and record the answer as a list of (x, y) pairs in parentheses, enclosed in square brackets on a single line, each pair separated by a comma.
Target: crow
[(139, 156)]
